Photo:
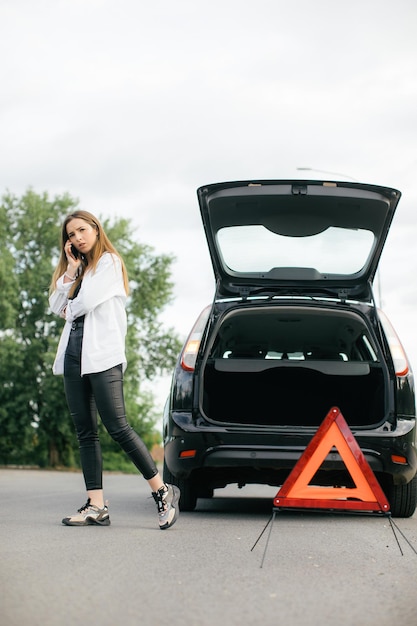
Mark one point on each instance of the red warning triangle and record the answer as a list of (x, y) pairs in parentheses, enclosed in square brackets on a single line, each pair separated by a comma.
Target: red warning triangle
[(297, 491)]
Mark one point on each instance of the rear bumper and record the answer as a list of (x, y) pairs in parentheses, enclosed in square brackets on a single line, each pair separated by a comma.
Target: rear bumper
[(265, 456)]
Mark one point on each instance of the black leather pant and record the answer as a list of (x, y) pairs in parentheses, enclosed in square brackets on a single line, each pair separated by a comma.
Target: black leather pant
[(102, 392)]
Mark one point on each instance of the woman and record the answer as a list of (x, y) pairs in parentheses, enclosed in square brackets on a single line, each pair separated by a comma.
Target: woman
[(89, 289)]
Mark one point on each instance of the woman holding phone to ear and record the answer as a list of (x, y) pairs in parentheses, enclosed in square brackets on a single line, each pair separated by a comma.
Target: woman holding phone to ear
[(89, 289)]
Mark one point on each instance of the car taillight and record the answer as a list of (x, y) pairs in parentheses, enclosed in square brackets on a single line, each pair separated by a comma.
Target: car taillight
[(192, 345), (397, 351), (189, 354)]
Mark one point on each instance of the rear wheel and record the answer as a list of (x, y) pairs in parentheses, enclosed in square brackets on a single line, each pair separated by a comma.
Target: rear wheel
[(188, 498), (205, 492), (403, 498)]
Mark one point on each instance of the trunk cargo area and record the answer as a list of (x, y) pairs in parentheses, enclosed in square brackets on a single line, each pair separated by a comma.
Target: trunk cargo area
[(290, 366)]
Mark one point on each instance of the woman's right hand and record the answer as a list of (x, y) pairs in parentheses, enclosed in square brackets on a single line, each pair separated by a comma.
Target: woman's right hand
[(73, 262)]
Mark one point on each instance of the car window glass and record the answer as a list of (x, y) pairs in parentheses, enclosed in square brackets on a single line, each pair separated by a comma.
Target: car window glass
[(254, 248)]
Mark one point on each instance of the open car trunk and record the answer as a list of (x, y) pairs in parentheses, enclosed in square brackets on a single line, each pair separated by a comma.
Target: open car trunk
[(289, 366)]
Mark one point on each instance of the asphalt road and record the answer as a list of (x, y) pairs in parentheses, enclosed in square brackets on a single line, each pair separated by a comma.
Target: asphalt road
[(317, 569)]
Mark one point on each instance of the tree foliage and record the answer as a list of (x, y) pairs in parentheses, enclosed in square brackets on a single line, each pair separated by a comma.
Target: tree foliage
[(35, 427)]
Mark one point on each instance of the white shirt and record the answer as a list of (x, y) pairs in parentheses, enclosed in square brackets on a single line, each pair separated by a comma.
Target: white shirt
[(102, 299)]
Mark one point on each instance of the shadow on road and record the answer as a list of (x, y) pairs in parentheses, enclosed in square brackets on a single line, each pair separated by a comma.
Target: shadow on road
[(253, 506)]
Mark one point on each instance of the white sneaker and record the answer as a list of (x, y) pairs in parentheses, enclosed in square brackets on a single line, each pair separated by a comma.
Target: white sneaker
[(87, 515), (166, 499)]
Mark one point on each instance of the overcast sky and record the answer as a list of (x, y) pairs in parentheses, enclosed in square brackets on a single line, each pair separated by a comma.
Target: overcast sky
[(130, 106)]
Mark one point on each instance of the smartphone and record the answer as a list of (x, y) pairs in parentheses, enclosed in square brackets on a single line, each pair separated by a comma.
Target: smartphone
[(75, 252)]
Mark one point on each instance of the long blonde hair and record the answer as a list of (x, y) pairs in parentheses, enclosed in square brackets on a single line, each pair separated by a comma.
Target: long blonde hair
[(103, 244)]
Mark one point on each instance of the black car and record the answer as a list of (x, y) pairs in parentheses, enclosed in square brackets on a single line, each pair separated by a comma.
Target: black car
[(293, 331)]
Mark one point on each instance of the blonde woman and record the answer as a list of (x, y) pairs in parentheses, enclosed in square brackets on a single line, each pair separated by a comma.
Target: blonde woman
[(89, 290)]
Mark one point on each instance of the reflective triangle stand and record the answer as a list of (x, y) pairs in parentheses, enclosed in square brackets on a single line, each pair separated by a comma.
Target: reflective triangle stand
[(365, 498), (393, 525)]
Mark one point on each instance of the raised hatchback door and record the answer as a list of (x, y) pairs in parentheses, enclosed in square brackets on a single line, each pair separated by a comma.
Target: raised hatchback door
[(315, 237)]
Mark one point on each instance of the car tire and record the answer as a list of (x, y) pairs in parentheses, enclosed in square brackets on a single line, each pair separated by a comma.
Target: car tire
[(205, 492), (403, 499), (188, 498)]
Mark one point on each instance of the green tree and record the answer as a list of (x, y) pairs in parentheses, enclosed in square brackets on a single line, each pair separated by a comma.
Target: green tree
[(35, 426)]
